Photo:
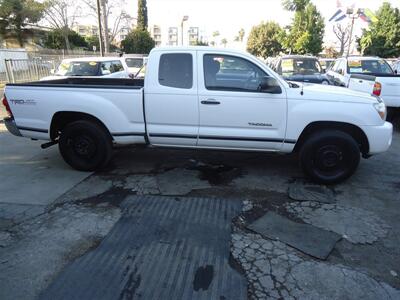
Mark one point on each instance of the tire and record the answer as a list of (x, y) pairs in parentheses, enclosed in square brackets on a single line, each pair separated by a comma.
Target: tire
[(85, 145), (325, 82), (329, 156)]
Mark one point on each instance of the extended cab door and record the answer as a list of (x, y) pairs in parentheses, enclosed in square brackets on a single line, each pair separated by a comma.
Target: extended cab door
[(233, 113), (170, 99)]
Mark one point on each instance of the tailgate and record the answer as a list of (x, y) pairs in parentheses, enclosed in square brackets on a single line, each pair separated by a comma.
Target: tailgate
[(362, 83), (390, 90)]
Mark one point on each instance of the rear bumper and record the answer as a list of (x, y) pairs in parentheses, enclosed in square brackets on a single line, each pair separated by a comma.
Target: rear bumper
[(12, 126), (379, 137)]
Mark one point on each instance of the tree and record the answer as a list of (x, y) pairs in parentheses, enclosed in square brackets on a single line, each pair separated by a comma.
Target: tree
[(142, 20), (330, 52), (295, 5), (16, 14), (265, 40), (343, 35), (110, 8), (306, 33), (61, 15), (224, 41), (383, 37), (138, 42), (200, 43), (240, 36), (92, 41), (55, 40)]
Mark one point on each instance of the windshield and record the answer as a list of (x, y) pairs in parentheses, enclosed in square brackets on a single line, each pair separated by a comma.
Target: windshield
[(134, 62), (300, 66), (78, 68), (378, 66)]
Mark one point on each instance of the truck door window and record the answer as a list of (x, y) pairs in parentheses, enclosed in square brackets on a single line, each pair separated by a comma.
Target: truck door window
[(106, 68), (116, 66), (176, 70), (231, 73)]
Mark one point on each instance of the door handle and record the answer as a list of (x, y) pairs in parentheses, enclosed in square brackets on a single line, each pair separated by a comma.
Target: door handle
[(360, 81), (210, 102)]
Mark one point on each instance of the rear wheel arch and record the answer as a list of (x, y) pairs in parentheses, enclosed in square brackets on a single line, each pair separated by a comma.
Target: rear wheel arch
[(354, 131), (62, 118)]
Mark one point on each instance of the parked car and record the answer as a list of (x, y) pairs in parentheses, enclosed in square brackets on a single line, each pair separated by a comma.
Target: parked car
[(202, 98), (372, 75), (326, 63), (396, 67), (301, 68), (135, 64), (109, 67)]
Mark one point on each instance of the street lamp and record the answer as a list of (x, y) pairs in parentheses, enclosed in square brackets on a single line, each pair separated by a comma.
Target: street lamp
[(353, 15), (185, 18)]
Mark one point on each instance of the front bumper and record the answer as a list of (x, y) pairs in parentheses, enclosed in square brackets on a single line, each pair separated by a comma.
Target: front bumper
[(379, 137), (12, 126)]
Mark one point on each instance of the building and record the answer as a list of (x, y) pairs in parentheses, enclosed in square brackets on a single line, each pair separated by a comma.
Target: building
[(193, 35), (173, 36), (86, 30), (155, 32), (123, 33)]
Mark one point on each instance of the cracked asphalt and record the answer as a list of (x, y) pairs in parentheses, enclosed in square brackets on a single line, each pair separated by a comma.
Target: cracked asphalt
[(47, 223)]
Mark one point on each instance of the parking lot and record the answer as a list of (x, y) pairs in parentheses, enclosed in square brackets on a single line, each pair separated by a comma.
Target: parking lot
[(179, 224)]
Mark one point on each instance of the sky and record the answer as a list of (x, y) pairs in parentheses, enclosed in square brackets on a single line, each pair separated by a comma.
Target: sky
[(228, 16)]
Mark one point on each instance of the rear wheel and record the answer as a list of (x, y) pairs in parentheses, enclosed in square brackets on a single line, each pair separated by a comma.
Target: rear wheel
[(329, 156), (85, 145)]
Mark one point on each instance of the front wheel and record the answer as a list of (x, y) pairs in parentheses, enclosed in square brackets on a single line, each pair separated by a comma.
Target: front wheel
[(329, 156), (85, 145), (325, 82)]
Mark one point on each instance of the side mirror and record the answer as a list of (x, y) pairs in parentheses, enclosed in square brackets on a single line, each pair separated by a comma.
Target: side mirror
[(105, 72), (395, 72), (270, 85)]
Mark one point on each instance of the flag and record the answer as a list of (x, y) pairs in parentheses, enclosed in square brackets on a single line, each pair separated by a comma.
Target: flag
[(370, 15), (338, 16)]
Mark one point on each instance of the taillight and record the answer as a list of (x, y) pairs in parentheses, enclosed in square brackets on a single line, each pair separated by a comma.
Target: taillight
[(7, 106), (377, 89)]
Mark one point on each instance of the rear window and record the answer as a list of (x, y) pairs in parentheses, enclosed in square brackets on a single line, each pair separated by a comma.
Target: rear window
[(78, 68), (134, 62), (378, 66), (176, 70), (300, 66)]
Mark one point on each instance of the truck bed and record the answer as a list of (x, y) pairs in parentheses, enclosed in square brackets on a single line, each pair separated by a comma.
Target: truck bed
[(115, 102)]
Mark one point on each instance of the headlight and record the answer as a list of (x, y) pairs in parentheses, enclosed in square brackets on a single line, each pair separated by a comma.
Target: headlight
[(381, 109)]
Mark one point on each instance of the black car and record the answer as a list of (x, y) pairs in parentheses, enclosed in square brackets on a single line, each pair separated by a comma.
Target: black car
[(301, 68)]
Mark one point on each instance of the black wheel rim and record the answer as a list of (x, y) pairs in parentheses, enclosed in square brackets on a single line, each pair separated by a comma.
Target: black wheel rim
[(83, 146), (331, 161)]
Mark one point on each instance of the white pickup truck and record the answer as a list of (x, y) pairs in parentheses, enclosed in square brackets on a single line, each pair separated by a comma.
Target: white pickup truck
[(372, 75), (202, 98)]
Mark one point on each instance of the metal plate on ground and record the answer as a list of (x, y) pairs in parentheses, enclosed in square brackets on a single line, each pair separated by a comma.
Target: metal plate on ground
[(306, 238), (302, 191), (161, 248)]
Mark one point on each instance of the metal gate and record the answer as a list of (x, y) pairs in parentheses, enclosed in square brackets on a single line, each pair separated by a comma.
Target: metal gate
[(25, 70)]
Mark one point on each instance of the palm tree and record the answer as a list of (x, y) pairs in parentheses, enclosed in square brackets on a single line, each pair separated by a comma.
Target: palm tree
[(241, 34), (224, 41)]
